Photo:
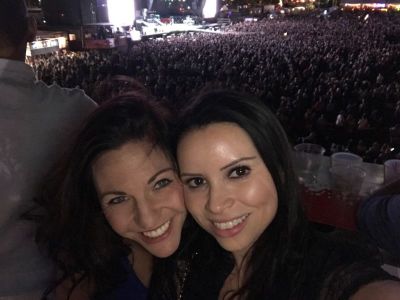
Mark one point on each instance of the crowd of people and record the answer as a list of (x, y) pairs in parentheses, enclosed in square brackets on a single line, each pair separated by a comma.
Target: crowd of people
[(330, 80), (176, 199)]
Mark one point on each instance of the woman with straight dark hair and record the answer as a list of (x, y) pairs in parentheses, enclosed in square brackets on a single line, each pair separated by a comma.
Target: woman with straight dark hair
[(114, 203), (239, 185)]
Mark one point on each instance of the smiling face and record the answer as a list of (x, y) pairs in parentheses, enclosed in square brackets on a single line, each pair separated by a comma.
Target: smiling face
[(227, 187), (141, 196)]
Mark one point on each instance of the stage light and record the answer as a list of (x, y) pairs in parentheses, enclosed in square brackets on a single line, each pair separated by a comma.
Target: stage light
[(121, 12), (210, 9)]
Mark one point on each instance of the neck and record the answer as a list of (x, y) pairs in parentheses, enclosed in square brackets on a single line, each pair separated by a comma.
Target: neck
[(241, 258), (235, 279), (232, 283), (142, 263)]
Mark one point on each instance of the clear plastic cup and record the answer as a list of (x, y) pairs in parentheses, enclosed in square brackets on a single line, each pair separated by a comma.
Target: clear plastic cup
[(347, 180), (391, 170), (345, 159), (308, 158)]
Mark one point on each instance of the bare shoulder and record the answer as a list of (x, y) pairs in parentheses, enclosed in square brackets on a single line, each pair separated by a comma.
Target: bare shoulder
[(383, 290)]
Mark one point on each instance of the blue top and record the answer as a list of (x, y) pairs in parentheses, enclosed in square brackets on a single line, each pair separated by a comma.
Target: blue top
[(379, 218), (130, 289)]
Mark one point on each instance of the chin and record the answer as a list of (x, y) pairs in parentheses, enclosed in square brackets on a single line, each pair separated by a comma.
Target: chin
[(233, 246), (164, 251)]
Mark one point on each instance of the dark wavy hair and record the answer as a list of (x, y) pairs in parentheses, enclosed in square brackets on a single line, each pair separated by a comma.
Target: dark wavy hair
[(272, 269), (73, 228)]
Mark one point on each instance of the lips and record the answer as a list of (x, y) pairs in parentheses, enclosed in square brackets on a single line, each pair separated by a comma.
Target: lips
[(230, 224), (231, 228), (158, 232)]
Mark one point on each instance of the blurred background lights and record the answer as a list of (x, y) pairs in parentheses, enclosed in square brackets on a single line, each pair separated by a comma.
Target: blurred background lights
[(121, 12), (210, 9)]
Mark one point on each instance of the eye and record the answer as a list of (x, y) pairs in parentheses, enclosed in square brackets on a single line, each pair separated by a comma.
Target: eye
[(239, 172), (162, 183), (195, 182), (117, 200)]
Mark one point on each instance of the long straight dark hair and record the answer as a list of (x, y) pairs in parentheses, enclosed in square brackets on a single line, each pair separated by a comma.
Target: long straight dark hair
[(272, 268)]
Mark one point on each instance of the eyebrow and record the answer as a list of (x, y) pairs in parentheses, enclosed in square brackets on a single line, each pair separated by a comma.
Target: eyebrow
[(237, 161), (189, 174), (116, 193), (152, 178), (223, 168)]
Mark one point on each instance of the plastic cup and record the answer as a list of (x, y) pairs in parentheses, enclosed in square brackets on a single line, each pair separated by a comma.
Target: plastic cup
[(310, 148), (347, 180), (345, 159), (308, 158), (391, 170)]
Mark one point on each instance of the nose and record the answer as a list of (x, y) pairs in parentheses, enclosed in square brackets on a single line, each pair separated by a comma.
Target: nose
[(219, 198), (145, 214)]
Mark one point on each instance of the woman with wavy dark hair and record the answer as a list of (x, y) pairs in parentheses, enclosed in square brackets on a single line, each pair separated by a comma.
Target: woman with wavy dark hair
[(114, 203), (235, 164)]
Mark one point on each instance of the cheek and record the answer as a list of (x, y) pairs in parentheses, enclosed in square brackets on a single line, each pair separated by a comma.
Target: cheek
[(175, 197), (259, 193), (118, 220), (193, 203)]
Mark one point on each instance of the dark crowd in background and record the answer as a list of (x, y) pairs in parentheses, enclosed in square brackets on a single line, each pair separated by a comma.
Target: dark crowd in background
[(331, 80)]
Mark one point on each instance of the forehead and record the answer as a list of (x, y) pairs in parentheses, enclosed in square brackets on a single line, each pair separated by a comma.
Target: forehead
[(217, 141), (133, 156), (226, 131)]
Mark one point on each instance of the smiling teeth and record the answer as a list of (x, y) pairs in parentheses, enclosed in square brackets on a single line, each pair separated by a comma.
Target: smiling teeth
[(158, 232), (230, 224)]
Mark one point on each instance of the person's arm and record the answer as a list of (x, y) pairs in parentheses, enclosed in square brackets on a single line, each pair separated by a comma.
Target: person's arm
[(382, 290), (379, 218), (391, 188)]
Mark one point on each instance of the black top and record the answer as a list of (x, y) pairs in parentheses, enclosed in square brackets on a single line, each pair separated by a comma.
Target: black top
[(337, 267), (333, 268)]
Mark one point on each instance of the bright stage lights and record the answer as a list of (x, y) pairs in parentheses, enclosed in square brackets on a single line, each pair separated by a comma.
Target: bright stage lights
[(210, 9), (121, 12)]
